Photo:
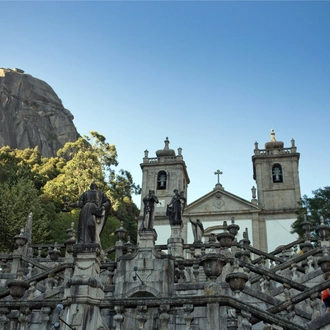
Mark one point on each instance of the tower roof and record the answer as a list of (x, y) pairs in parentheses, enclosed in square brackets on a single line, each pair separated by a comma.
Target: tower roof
[(273, 144), (166, 152)]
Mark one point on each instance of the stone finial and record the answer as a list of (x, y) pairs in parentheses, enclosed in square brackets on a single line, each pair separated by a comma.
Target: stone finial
[(254, 190), (146, 153), (180, 151), (28, 228), (272, 135), (167, 143)]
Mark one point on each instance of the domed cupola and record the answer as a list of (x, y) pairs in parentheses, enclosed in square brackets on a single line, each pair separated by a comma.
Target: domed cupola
[(166, 152), (273, 144)]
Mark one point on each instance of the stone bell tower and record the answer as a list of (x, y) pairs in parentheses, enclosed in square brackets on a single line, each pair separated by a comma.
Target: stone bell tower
[(163, 173), (275, 170)]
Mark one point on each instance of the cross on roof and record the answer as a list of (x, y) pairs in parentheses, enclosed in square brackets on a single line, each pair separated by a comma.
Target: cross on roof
[(218, 173)]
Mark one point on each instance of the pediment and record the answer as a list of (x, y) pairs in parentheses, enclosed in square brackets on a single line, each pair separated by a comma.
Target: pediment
[(220, 201)]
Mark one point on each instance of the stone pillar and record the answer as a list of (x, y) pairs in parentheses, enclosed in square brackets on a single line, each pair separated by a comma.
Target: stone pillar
[(175, 242), (84, 290), (213, 309), (213, 317), (45, 317), (147, 238)]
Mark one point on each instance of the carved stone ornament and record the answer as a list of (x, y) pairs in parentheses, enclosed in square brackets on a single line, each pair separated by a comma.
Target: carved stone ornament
[(218, 202)]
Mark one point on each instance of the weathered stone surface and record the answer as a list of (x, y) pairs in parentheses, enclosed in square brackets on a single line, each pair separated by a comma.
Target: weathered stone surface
[(31, 114)]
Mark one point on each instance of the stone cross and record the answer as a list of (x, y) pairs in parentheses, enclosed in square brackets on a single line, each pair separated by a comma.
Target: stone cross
[(218, 173)]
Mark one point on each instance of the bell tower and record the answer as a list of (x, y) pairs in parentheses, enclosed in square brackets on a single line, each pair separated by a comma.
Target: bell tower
[(163, 173), (275, 170)]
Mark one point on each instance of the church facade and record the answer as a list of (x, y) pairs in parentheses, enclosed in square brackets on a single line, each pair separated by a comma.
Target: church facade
[(270, 210), (217, 282)]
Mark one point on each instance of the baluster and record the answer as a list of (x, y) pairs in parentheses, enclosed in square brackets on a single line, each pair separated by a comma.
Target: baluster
[(141, 316), (118, 318), (3, 317), (181, 271), (3, 265), (45, 316), (315, 304), (245, 324), (294, 272), (290, 309), (24, 318), (232, 321), (187, 316), (196, 271), (164, 316), (310, 263)]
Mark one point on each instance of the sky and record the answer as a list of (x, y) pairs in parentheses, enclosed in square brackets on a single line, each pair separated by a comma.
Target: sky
[(212, 76)]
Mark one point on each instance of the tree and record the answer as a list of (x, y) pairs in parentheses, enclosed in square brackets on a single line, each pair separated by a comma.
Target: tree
[(89, 159), (17, 201), (312, 209)]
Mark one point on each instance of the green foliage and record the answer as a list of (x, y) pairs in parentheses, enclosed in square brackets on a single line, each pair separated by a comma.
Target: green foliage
[(312, 208), (8, 165), (125, 210), (108, 237), (122, 185), (40, 184), (62, 222), (16, 202)]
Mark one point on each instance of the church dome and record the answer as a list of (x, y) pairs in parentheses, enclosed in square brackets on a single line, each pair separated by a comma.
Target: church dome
[(166, 152)]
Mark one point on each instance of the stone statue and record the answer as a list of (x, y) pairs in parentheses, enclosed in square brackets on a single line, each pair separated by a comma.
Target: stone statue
[(175, 208), (197, 229), (149, 210), (95, 208)]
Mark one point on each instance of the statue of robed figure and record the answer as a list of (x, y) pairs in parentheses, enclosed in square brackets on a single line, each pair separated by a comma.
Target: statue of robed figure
[(95, 208), (149, 202), (175, 208), (197, 229)]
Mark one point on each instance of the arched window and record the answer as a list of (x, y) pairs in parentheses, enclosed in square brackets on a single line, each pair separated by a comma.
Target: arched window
[(277, 173), (161, 180)]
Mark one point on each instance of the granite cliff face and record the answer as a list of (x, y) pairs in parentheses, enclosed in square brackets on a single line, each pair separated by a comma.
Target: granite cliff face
[(31, 114)]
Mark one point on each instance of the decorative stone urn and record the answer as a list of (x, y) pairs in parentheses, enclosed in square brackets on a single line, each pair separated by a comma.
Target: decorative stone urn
[(121, 232), (323, 230), (324, 263), (54, 254), (306, 247), (225, 238), (237, 281), (213, 264), (17, 287), (20, 239), (233, 228)]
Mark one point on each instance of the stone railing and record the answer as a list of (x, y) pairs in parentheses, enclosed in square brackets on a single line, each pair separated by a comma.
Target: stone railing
[(280, 151), (155, 160)]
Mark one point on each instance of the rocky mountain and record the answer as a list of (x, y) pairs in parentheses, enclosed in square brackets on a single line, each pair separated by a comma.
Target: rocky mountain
[(31, 114)]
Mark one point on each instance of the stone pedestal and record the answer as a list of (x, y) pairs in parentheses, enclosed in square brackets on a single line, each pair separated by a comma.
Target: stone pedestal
[(84, 290), (175, 242), (147, 238)]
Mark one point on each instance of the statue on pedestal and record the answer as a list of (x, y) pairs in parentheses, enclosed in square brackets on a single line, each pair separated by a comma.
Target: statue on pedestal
[(175, 208), (95, 208), (149, 211), (197, 229)]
